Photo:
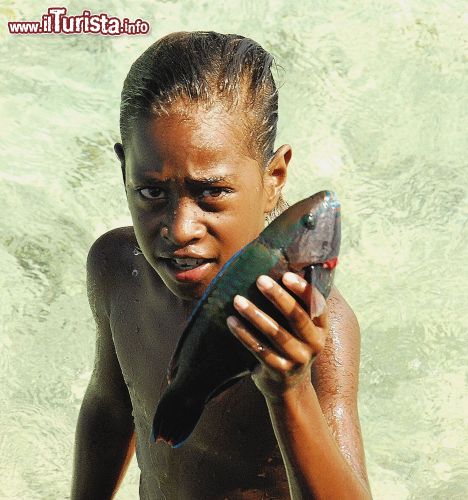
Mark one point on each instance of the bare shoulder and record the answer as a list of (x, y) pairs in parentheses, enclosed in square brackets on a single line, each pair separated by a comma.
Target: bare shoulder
[(107, 256), (113, 245), (336, 369), (341, 313)]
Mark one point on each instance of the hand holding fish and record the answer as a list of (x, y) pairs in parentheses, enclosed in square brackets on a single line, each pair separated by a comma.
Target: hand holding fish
[(286, 363)]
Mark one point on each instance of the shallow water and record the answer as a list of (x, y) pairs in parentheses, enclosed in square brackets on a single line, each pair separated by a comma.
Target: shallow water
[(373, 101)]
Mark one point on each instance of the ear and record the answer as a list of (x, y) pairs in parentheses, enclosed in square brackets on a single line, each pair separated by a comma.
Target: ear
[(119, 151), (274, 177)]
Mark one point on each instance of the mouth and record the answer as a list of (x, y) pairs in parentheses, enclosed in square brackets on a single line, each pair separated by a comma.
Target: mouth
[(186, 264), (188, 269)]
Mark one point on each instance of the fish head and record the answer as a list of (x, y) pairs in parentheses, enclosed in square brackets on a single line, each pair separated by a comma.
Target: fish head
[(308, 232)]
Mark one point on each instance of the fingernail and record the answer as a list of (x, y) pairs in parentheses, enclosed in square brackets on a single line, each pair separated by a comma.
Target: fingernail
[(241, 302), (293, 279), (265, 282), (232, 322)]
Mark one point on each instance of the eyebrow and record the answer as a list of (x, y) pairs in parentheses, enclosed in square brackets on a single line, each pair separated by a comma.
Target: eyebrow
[(208, 180), (212, 179)]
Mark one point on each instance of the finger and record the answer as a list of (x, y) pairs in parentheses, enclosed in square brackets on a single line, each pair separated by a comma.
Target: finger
[(298, 285), (299, 320), (263, 353), (308, 293), (287, 344)]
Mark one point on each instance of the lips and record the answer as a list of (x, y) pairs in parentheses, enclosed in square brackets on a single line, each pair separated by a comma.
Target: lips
[(187, 269), (185, 264)]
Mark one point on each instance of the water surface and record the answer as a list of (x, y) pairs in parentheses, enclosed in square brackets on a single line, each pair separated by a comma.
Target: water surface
[(373, 101)]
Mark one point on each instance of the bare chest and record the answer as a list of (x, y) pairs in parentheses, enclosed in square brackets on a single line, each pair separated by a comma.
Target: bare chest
[(233, 443), (145, 338)]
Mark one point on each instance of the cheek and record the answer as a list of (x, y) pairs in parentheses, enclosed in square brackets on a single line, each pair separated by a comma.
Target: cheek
[(137, 218), (145, 224), (240, 229), (257, 196), (253, 193), (256, 206), (140, 215)]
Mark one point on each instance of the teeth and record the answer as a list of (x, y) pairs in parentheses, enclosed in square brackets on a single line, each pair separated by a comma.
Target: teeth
[(187, 263)]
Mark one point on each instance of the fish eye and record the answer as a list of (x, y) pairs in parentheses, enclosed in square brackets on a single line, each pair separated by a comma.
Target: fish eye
[(309, 221)]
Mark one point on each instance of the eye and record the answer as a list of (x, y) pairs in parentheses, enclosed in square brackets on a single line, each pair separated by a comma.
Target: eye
[(151, 193), (213, 192), (309, 221)]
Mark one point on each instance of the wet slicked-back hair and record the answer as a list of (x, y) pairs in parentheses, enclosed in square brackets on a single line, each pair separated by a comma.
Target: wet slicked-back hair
[(206, 68)]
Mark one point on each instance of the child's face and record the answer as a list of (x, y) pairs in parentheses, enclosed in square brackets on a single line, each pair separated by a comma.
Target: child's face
[(194, 195)]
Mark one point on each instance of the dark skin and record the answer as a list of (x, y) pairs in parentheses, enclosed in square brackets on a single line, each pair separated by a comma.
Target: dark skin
[(289, 431)]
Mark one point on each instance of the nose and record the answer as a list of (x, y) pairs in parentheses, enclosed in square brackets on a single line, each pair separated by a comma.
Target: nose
[(184, 225)]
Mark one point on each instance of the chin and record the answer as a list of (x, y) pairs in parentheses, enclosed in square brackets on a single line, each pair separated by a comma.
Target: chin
[(186, 292)]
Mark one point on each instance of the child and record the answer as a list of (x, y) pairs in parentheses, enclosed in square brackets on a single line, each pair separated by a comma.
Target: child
[(198, 124)]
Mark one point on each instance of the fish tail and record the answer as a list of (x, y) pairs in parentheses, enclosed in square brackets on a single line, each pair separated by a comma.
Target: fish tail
[(175, 419)]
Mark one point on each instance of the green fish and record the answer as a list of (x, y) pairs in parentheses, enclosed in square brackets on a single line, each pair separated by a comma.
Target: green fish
[(304, 239)]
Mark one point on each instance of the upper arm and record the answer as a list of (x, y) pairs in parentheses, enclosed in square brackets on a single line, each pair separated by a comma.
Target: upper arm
[(335, 375), (107, 382)]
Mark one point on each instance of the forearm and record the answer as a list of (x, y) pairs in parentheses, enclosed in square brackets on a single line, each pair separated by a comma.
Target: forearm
[(313, 461), (104, 446)]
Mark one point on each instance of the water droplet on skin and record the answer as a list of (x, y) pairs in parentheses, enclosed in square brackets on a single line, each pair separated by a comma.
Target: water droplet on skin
[(134, 273)]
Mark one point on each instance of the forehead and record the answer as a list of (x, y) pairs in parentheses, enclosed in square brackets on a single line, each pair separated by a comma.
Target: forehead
[(196, 137)]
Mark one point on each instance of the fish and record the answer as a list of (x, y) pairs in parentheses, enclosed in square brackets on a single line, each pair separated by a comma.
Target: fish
[(304, 239)]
